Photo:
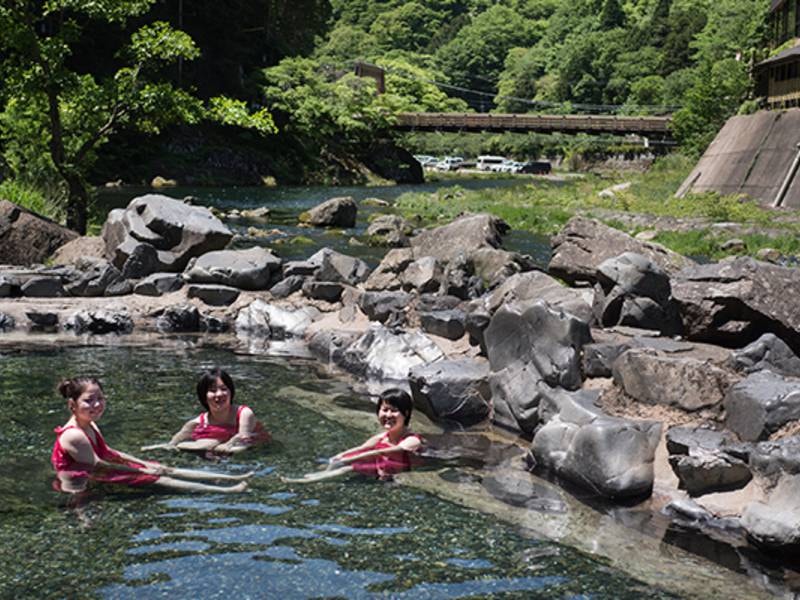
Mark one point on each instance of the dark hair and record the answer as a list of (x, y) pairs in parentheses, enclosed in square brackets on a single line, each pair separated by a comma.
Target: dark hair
[(208, 378), (397, 398), (71, 389)]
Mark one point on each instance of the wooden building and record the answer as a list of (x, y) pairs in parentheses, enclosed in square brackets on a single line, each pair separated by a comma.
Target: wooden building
[(778, 77)]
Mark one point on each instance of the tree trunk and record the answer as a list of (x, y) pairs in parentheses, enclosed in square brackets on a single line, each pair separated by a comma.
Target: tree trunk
[(77, 204)]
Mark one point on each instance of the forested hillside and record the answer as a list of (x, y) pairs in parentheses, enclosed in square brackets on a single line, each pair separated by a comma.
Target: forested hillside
[(78, 75)]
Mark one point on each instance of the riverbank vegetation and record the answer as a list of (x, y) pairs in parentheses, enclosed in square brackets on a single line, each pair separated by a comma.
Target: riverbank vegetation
[(633, 202)]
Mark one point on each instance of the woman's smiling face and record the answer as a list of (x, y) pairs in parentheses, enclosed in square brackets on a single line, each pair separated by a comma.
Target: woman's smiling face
[(218, 397), (90, 405), (390, 417)]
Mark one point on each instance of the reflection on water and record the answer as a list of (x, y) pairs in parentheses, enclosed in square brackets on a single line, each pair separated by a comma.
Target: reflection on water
[(353, 538)]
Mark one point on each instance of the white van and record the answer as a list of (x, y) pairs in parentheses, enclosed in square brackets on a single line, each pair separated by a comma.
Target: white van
[(489, 163)]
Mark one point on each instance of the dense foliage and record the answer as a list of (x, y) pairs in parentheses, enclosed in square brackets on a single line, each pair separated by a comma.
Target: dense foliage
[(77, 73)]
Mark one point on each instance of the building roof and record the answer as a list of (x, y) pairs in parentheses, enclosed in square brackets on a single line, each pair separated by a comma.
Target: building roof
[(782, 55), (775, 5)]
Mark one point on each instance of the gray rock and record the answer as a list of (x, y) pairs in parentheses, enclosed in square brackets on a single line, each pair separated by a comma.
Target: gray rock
[(42, 319), (737, 300), (634, 291), (424, 275), (515, 397), (213, 295), (682, 440), (43, 287), (684, 382), (340, 268), (460, 280), (704, 472), (176, 230), (330, 346), (180, 319), (771, 459), (598, 359), (452, 390), (287, 286), (336, 212), (158, 284), (548, 339), (583, 244), (250, 269), (384, 355), (384, 306), (141, 262), (448, 324), (303, 268), (767, 352), (323, 290), (9, 286), (525, 288), (775, 525), (432, 302), (99, 322), (268, 320), (27, 238), (494, 265), (761, 404), (386, 275), (610, 456), (96, 280), (460, 238), (7, 322), (389, 230)]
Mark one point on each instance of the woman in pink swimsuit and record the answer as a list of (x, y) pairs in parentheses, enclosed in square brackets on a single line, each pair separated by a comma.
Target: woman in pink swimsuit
[(225, 427), (385, 453), (80, 453)]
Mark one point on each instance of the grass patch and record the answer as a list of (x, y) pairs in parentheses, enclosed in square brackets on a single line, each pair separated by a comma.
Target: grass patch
[(32, 199), (544, 206)]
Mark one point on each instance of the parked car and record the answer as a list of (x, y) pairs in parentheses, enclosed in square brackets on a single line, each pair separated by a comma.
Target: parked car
[(489, 163), (535, 167), (425, 160), (450, 163)]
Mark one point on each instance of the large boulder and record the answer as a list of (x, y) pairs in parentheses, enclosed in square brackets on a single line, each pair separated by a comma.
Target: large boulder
[(583, 244), (610, 456), (761, 404), (767, 352), (632, 290), (453, 391), (769, 460), (382, 354), (177, 231), (737, 300), (251, 269), (100, 279), (524, 288), (78, 251), (337, 267), (548, 339), (99, 322), (462, 237), (775, 524), (684, 382), (387, 275), (266, 320), (27, 238), (336, 212), (389, 230)]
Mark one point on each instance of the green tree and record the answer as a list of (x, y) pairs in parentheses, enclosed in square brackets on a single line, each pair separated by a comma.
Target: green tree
[(55, 118), (612, 15)]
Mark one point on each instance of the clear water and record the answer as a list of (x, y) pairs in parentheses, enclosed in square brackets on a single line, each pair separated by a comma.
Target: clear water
[(286, 203), (351, 538)]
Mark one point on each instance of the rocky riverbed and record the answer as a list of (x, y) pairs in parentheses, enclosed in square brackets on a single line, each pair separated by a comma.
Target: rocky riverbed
[(629, 372)]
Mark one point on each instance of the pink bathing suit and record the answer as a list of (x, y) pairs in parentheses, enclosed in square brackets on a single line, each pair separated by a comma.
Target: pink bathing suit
[(205, 430), (63, 462), (389, 464)]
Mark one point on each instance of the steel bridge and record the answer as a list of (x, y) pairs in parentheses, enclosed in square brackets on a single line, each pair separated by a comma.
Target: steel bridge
[(655, 128)]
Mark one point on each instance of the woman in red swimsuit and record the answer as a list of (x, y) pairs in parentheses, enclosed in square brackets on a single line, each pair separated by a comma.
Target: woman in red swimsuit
[(385, 453), (80, 453), (225, 427)]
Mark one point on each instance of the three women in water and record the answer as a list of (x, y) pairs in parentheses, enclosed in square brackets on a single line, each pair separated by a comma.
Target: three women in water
[(80, 453)]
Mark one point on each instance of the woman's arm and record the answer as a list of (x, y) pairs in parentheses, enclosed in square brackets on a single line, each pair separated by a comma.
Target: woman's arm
[(370, 443), (409, 444), (244, 437), (79, 448), (184, 434)]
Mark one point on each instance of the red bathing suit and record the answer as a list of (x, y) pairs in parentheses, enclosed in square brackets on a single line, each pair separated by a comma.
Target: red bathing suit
[(205, 430), (383, 464), (63, 462)]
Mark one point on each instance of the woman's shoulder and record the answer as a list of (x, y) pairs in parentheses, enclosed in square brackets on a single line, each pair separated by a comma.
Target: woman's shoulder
[(71, 434)]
